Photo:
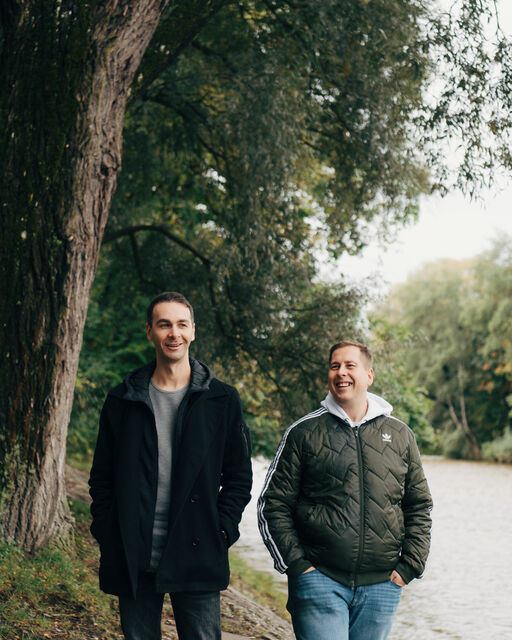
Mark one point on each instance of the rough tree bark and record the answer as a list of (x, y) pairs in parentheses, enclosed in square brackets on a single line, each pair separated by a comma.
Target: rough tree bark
[(65, 70)]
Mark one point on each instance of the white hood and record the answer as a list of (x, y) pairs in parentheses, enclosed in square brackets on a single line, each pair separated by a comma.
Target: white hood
[(377, 406)]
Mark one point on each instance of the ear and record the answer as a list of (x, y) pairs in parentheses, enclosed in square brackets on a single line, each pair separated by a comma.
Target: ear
[(370, 377), (148, 331), (193, 332)]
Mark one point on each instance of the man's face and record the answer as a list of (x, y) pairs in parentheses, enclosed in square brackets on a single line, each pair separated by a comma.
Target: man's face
[(349, 376), (171, 332)]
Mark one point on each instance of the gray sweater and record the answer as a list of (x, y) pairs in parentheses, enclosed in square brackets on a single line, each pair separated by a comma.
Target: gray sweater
[(165, 407)]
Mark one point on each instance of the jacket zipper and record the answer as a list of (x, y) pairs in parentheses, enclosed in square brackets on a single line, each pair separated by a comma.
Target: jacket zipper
[(361, 504)]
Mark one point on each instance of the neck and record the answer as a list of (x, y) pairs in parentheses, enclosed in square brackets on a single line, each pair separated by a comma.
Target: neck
[(356, 412), (172, 376)]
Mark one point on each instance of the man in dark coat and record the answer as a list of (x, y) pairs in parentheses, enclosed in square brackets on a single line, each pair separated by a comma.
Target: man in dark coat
[(345, 508), (170, 478)]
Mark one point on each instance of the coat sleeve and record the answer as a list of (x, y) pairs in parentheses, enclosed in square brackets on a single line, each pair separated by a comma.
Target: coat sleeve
[(416, 506), (101, 479), (236, 479), (276, 506)]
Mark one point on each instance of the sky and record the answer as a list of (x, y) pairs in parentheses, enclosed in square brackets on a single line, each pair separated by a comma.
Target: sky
[(449, 227)]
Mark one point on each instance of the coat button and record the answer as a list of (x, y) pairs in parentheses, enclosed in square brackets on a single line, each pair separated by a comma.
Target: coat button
[(195, 542), (194, 497)]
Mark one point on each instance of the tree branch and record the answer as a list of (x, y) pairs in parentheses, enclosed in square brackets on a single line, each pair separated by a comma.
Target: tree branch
[(136, 259), (157, 68), (210, 52), (129, 231), (465, 424)]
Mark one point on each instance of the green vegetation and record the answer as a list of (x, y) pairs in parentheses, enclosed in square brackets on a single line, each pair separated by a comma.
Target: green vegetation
[(258, 585), (500, 449), (54, 593), (456, 321), (281, 132), (395, 382)]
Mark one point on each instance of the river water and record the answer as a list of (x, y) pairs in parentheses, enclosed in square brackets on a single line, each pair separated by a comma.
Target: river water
[(466, 591)]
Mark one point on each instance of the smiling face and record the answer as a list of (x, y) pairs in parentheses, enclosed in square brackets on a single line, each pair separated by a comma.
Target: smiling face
[(350, 375), (171, 331)]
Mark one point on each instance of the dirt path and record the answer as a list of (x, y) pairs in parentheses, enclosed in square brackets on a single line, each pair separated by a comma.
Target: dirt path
[(241, 618)]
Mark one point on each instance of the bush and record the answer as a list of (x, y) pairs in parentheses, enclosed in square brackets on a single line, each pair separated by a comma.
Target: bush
[(499, 450), (455, 445)]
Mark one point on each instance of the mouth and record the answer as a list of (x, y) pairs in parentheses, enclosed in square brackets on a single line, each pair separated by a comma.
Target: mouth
[(343, 385)]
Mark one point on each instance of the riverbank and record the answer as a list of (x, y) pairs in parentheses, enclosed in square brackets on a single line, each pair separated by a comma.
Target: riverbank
[(54, 593)]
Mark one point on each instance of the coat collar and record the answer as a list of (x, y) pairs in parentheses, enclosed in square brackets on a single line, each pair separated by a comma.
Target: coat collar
[(136, 383)]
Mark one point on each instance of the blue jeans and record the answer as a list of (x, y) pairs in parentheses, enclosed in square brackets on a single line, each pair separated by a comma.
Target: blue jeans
[(196, 613), (323, 609)]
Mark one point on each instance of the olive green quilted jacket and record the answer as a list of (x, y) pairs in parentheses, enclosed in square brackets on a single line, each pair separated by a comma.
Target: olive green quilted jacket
[(351, 501)]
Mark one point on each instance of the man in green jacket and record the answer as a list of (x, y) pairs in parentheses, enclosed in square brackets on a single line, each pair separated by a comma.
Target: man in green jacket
[(345, 508)]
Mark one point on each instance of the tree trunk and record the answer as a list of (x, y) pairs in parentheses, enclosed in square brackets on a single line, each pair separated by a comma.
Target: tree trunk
[(65, 68), (462, 423)]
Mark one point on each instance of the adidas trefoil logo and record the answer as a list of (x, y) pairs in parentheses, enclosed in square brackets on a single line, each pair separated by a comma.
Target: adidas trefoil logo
[(386, 437)]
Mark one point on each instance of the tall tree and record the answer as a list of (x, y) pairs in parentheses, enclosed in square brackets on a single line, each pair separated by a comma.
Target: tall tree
[(65, 70)]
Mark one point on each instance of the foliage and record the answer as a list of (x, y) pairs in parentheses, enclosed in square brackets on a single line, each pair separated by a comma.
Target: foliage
[(296, 125), (457, 315), (395, 382), (285, 99), (464, 122), (500, 449), (114, 343), (279, 131), (491, 308), (275, 133)]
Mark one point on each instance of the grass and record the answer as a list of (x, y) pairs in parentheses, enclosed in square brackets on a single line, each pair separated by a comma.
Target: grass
[(260, 586), (54, 593)]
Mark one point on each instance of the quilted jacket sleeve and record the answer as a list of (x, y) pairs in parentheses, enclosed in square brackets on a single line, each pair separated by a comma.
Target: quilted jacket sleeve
[(416, 506), (276, 507)]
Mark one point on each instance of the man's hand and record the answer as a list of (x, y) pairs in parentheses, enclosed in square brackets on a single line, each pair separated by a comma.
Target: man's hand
[(396, 578), (311, 569)]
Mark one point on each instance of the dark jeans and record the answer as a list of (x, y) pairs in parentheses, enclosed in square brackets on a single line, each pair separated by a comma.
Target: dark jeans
[(196, 613)]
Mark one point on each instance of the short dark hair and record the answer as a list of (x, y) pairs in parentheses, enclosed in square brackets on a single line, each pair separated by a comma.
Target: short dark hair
[(168, 296), (352, 343)]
